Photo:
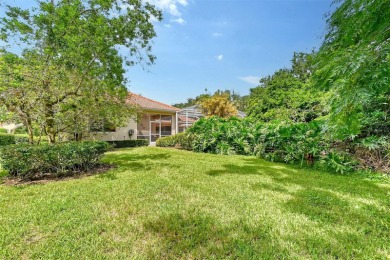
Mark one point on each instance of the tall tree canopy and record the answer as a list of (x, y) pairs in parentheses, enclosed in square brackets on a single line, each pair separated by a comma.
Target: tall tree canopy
[(354, 64), (240, 102), (72, 60), (287, 95)]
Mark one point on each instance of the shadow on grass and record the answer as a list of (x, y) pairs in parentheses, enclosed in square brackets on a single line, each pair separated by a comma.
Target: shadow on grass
[(108, 176), (326, 207), (197, 235), (135, 162), (320, 196), (287, 175)]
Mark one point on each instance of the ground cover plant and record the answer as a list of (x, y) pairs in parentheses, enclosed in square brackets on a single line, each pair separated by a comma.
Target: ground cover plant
[(304, 144), (168, 203)]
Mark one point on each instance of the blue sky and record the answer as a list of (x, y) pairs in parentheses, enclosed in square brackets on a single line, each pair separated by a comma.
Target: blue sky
[(224, 44)]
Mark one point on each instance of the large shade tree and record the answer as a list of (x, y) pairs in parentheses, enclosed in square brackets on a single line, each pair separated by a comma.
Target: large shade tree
[(72, 64)]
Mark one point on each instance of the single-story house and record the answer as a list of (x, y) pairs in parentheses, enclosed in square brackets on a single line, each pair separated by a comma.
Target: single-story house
[(156, 120)]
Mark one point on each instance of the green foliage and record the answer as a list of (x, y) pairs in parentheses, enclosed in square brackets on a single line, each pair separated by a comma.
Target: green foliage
[(181, 140), (339, 162), (27, 161), (197, 206), (70, 72), (223, 136), (301, 143), (167, 141), (192, 101), (295, 143), (353, 64), (7, 139), (240, 102), (129, 143), (3, 131), (288, 95)]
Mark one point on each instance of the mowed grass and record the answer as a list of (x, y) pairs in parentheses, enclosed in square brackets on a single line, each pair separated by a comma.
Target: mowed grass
[(166, 203)]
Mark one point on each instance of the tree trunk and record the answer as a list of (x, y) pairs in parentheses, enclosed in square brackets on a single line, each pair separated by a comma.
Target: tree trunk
[(50, 124), (28, 124)]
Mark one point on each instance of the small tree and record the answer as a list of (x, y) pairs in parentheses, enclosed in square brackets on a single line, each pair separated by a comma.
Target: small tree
[(218, 105), (71, 61)]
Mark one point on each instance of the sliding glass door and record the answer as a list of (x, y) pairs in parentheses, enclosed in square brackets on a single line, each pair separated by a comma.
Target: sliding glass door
[(160, 126)]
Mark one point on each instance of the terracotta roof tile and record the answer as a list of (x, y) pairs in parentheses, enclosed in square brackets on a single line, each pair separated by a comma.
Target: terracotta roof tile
[(186, 119), (147, 103)]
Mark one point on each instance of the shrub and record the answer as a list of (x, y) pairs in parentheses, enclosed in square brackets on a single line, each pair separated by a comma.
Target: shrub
[(30, 161), (7, 139), (168, 141), (22, 130), (3, 131), (373, 153), (181, 140), (338, 162), (184, 140), (224, 136), (129, 143), (294, 143), (20, 138)]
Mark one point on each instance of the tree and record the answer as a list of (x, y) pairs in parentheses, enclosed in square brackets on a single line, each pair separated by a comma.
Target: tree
[(218, 105), (353, 64), (192, 101), (240, 102), (71, 61), (288, 95)]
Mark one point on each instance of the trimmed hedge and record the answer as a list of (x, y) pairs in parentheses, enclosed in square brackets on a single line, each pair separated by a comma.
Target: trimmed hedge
[(30, 161), (7, 139), (129, 143), (182, 140)]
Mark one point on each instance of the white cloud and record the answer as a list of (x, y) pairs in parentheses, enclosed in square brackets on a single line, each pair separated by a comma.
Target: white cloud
[(253, 80), (220, 57), (217, 34), (178, 20), (168, 25), (183, 2), (170, 6)]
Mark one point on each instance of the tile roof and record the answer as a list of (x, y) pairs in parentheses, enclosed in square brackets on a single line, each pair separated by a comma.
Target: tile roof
[(147, 103), (186, 119)]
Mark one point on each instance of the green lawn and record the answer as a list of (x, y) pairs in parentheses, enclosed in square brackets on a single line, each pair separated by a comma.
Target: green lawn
[(166, 203)]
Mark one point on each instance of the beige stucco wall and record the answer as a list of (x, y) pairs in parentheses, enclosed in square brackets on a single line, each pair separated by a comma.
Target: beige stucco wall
[(121, 133)]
